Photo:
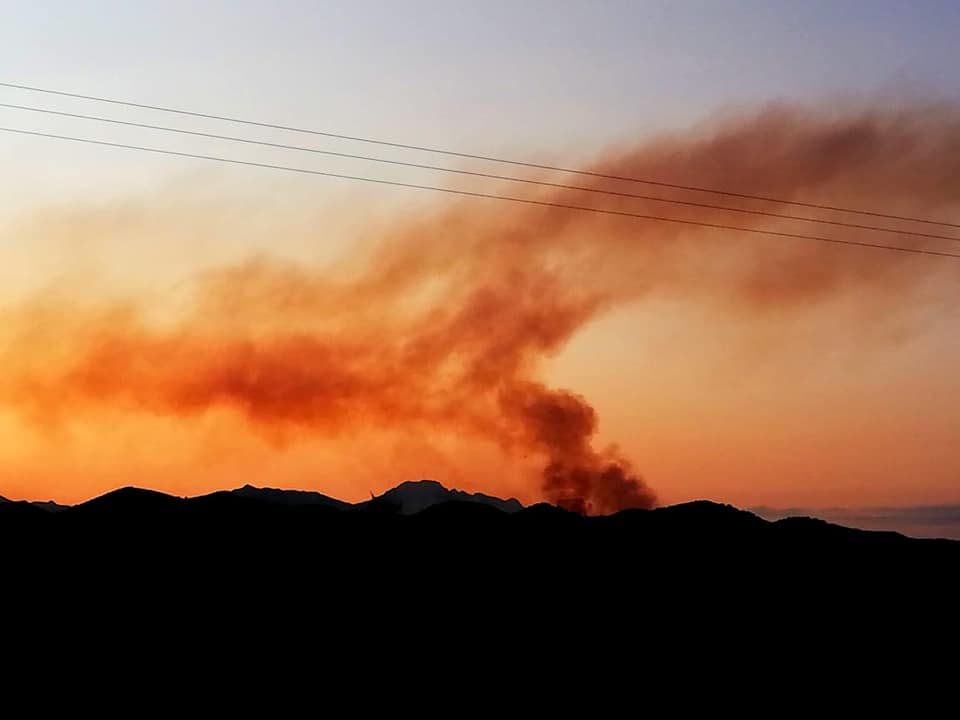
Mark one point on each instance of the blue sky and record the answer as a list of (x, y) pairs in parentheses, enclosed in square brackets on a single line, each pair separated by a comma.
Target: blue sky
[(551, 81), (544, 79)]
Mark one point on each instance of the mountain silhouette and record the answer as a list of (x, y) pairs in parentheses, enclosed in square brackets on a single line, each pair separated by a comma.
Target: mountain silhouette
[(289, 497), (414, 496), (427, 541), (49, 505), (12, 510), (291, 565), (128, 502), (428, 500)]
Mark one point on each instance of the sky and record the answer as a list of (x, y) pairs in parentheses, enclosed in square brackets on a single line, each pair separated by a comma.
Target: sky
[(823, 404)]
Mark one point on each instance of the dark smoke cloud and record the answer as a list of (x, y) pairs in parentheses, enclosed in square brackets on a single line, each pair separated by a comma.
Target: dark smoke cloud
[(446, 322)]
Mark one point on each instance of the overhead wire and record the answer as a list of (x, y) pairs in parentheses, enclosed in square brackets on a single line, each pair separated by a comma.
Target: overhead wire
[(487, 158), (491, 196), (473, 173)]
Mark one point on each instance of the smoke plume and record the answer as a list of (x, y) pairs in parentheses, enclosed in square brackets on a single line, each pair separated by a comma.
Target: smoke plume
[(445, 322)]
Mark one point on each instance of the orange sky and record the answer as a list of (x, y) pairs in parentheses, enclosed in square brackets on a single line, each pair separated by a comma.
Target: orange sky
[(204, 337)]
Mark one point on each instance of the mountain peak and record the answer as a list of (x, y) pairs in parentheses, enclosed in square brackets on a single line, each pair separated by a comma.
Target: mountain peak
[(424, 483), (288, 497), (131, 499), (413, 496)]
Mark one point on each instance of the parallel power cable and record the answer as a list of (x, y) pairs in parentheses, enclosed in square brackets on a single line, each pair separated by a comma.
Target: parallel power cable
[(473, 173), (491, 196), (488, 158)]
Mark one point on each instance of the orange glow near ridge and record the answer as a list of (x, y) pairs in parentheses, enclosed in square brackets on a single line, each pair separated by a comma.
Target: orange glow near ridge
[(748, 370)]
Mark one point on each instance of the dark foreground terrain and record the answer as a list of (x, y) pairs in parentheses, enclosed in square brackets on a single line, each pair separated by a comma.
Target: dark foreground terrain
[(425, 532), (252, 566), (433, 589)]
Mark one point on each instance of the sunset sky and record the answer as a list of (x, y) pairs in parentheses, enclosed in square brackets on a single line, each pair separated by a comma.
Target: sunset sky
[(191, 326)]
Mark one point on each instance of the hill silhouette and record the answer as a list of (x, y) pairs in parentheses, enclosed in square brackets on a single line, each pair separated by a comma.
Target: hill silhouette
[(293, 554), (289, 497), (414, 496), (415, 514)]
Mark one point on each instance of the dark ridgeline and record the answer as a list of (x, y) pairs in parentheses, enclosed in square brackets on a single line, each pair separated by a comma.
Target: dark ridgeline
[(423, 562), (420, 524)]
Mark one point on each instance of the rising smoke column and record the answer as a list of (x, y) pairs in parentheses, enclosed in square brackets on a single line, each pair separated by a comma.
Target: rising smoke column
[(445, 323)]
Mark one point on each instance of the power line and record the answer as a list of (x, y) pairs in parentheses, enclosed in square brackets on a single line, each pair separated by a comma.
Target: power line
[(472, 156), (491, 196), (472, 173)]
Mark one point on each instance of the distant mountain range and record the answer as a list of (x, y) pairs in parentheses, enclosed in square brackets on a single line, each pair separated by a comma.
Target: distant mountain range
[(408, 498), (922, 521), (412, 497), (428, 502), (428, 544)]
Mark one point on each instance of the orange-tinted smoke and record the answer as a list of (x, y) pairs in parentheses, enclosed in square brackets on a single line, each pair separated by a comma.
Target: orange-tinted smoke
[(445, 323)]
